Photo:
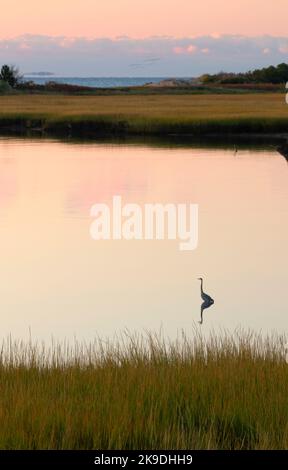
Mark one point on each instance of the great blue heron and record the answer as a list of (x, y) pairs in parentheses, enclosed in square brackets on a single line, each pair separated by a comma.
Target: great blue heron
[(207, 300)]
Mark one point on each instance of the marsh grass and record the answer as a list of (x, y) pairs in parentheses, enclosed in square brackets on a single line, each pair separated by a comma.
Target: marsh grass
[(145, 392), (147, 115)]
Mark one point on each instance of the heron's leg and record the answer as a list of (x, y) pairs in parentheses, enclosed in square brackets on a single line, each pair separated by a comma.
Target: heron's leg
[(201, 315)]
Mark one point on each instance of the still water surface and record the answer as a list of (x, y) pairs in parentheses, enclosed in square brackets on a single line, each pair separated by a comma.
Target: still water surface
[(58, 282)]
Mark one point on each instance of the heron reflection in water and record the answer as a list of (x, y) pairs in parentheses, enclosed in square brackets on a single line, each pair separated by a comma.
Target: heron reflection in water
[(207, 300)]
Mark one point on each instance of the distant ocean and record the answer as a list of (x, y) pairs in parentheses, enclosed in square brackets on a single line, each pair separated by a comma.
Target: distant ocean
[(96, 82)]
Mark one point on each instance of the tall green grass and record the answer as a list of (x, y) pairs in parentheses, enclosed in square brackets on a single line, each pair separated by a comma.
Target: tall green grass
[(139, 392), (146, 115), (126, 125)]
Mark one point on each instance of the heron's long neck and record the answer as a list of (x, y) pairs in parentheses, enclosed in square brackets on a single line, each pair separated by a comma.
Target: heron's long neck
[(201, 286)]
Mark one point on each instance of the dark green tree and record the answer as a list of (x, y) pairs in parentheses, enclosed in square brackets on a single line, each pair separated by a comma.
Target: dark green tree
[(10, 74), (275, 75)]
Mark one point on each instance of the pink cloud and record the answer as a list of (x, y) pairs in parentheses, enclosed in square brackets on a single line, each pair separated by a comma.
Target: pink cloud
[(24, 47), (178, 50), (67, 42), (191, 49)]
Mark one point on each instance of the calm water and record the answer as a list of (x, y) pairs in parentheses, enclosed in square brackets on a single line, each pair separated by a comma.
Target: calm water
[(57, 281), (98, 82)]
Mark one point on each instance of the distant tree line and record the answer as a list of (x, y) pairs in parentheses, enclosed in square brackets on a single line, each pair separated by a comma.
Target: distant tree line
[(275, 75)]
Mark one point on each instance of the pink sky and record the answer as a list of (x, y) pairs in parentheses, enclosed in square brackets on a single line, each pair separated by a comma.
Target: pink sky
[(142, 18)]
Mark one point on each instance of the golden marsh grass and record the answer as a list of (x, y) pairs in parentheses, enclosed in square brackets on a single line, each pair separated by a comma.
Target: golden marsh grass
[(144, 392), (147, 114), (168, 106)]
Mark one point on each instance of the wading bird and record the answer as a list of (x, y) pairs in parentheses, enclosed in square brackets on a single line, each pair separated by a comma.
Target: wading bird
[(207, 300)]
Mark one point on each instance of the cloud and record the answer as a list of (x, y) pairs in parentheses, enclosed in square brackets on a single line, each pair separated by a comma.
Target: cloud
[(191, 49), (24, 47), (67, 42), (178, 50), (154, 56)]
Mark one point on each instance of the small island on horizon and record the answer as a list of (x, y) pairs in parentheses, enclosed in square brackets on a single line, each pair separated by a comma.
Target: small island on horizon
[(39, 74)]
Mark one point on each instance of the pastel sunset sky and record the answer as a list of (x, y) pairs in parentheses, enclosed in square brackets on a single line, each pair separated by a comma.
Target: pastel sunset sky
[(143, 37)]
